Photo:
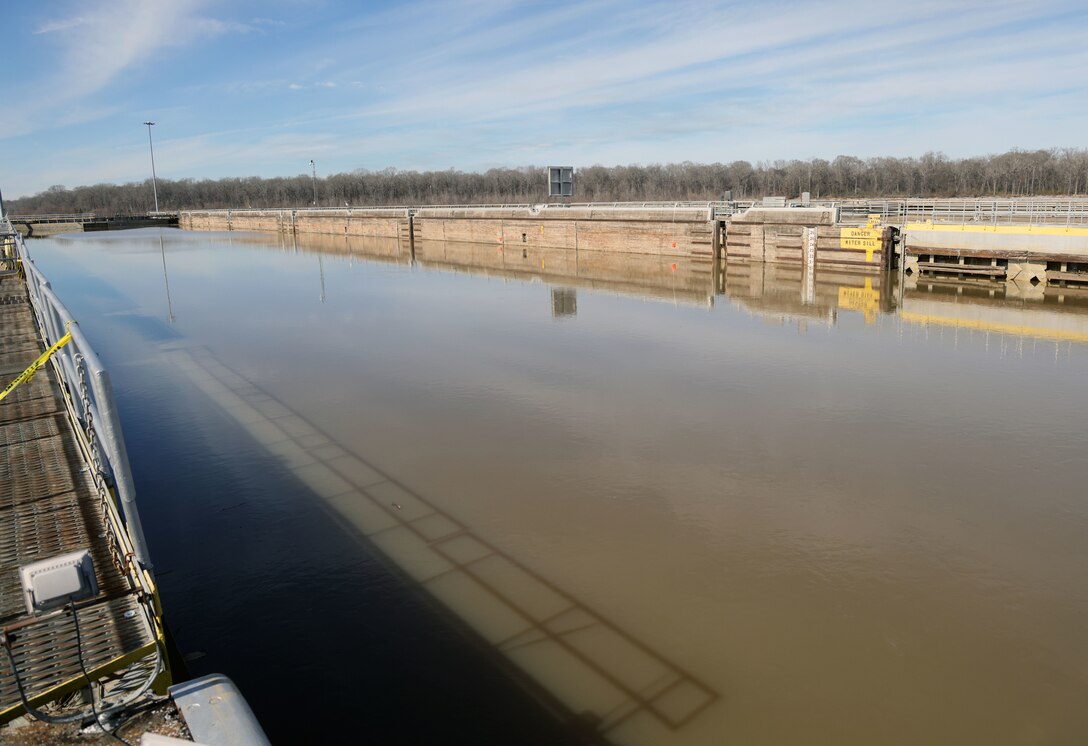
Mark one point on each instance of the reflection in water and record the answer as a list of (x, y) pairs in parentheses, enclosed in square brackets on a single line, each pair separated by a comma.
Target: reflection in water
[(166, 282), (693, 527), (987, 309), (564, 302)]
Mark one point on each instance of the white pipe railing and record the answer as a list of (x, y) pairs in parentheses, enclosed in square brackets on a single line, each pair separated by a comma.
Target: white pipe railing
[(90, 391)]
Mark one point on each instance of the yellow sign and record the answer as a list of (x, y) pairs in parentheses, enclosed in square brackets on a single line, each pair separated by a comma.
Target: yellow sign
[(873, 219), (861, 239), (863, 299), (874, 233)]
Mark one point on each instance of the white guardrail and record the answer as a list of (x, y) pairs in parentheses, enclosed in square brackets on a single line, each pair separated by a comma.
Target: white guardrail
[(89, 391)]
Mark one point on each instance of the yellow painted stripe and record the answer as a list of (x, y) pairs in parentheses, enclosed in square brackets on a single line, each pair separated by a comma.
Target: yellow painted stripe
[(1020, 330), (1007, 230), (79, 682)]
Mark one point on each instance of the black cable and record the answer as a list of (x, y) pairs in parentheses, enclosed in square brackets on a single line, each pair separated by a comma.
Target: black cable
[(6, 643), (55, 720), (90, 684)]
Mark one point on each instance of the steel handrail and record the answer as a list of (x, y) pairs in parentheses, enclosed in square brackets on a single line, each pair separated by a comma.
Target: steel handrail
[(99, 409)]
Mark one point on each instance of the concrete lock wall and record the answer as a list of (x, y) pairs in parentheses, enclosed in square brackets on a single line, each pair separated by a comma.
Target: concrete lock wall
[(334, 222), (656, 231), (807, 237)]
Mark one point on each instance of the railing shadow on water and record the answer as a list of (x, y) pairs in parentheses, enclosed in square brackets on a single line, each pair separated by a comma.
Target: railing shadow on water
[(563, 651)]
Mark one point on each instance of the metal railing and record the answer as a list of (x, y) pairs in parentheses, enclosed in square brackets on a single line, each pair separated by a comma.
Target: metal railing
[(1068, 211), (90, 394), (1052, 211), (80, 217), (646, 205)]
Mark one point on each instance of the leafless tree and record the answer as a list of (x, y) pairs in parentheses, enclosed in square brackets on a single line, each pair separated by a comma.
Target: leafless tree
[(1062, 171)]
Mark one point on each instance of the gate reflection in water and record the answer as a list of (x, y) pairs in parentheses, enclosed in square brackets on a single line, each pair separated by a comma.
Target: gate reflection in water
[(859, 523)]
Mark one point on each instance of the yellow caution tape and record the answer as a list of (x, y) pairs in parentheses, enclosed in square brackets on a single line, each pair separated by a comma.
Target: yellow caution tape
[(27, 374)]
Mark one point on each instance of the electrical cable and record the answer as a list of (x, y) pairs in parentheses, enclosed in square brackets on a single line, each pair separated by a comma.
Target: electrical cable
[(53, 719), (90, 684)]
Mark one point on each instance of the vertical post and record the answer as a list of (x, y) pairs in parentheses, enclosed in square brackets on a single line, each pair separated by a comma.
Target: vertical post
[(902, 267), (715, 238), (412, 235), (809, 235), (887, 250), (154, 179), (313, 168), (716, 251)]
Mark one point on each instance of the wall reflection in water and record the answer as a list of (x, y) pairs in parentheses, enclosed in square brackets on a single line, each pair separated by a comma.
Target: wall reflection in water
[(777, 291)]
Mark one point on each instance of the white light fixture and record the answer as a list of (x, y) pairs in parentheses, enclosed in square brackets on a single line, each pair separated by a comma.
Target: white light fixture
[(54, 582)]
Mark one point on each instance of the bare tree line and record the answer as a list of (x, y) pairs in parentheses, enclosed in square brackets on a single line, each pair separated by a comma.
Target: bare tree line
[(1015, 173)]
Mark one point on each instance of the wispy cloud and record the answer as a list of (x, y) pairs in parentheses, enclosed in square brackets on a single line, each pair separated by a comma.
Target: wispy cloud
[(215, 26), (61, 24), (509, 82), (103, 40)]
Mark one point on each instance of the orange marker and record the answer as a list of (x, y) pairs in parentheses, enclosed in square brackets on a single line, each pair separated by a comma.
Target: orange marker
[(674, 246), (673, 267)]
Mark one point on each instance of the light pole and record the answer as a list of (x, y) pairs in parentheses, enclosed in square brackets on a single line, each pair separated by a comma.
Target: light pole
[(314, 176), (154, 180)]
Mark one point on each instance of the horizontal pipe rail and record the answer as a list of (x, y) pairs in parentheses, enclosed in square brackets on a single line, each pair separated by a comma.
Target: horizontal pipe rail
[(93, 401), (1027, 211)]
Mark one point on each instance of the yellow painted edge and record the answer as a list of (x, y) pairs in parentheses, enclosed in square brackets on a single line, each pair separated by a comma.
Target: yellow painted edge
[(1020, 330), (1008, 230)]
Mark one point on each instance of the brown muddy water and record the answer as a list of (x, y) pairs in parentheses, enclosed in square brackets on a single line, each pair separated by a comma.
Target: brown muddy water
[(478, 499)]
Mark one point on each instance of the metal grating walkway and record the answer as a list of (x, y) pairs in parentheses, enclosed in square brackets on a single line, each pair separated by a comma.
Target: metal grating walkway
[(48, 506)]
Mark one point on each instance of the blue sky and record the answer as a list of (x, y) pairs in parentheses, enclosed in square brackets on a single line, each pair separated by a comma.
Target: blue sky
[(258, 88)]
